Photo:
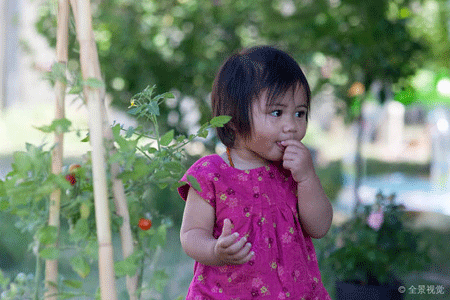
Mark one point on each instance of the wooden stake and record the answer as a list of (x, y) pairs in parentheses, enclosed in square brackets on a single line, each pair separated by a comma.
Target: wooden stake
[(62, 41), (120, 200), (93, 98)]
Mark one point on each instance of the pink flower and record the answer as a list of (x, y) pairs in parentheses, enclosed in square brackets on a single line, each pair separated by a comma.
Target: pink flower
[(375, 219)]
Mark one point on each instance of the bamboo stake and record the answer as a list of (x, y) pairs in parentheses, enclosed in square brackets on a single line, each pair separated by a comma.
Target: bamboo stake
[(94, 103), (62, 40), (120, 200)]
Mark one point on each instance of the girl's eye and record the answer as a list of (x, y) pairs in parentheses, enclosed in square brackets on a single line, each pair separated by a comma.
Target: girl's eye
[(301, 114), (276, 113)]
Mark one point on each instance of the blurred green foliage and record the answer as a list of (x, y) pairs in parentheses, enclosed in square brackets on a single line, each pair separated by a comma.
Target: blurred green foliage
[(180, 44)]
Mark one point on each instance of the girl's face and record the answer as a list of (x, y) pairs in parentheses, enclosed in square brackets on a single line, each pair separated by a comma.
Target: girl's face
[(284, 120)]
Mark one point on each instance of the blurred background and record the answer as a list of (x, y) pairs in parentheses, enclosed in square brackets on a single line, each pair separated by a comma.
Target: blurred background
[(379, 72)]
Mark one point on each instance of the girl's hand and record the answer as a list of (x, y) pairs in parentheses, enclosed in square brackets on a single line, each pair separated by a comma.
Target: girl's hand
[(228, 250), (298, 160)]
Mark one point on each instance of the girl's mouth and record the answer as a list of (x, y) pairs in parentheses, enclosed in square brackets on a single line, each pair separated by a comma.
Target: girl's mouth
[(281, 146)]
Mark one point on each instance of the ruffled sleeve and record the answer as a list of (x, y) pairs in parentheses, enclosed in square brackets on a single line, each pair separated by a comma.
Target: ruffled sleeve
[(204, 172)]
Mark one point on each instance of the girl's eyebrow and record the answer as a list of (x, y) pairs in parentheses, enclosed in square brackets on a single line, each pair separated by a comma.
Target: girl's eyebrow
[(284, 105)]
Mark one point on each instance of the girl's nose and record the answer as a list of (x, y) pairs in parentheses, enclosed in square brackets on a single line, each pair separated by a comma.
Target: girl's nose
[(289, 126)]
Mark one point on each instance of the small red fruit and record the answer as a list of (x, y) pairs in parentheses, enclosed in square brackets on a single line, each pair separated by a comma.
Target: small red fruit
[(70, 178), (145, 224)]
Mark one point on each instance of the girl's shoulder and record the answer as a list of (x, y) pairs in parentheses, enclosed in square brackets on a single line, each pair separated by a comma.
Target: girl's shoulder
[(209, 162), (206, 172)]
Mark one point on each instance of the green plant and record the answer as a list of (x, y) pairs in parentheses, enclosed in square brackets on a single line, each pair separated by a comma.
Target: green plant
[(145, 156), (375, 245)]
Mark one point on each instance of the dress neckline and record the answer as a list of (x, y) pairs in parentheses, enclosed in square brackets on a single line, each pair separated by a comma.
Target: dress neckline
[(271, 165)]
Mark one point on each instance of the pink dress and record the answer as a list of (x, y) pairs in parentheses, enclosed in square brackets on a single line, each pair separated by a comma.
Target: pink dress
[(262, 205)]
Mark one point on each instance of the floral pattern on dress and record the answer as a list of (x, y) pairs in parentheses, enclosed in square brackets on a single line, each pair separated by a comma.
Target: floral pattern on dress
[(262, 206)]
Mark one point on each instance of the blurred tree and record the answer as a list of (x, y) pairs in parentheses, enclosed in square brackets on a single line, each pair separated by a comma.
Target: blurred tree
[(180, 44)]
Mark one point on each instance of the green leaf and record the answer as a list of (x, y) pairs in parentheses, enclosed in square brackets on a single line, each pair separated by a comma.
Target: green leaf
[(125, 267), (49, 253), (68, 295), (2, 189), (118, 138), (44, 189), (219, 121), (4, 281), (169, 95), (152, 150), (22, 162), (47, 235), (134, 110), (76, 89), (140, 168), (128, 266), (153, 108), (126, 175), (58, 73), (159, 280), (167, 138), (203, 133), (174, 166), (57, 126), (76, 284), (160, 237), (86, 139), (91, 249), (60, 181), (180, 138), (163, 185), (162, 174), (81, 230), (193, 181), (130, 132), (93, 83), (4, 204), (80, 266)]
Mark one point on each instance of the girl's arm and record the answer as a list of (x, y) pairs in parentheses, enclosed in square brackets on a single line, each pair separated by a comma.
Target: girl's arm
[(197, 239), (314, 208)]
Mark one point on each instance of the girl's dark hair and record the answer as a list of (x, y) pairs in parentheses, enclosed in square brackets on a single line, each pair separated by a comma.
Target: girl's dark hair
[(243, 77)]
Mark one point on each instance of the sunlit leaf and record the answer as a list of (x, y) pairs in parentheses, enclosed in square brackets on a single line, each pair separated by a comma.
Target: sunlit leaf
[(167, 138), (47, 235), (159, 280), (81, 230), (94, 83), (193, 181), (80, 266), (76, 284), (49, 253), (219, 121)]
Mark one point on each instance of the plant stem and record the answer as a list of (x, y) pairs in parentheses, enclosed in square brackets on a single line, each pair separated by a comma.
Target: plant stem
[(143, 152), (141, 277), (155, 123), (37, 275)]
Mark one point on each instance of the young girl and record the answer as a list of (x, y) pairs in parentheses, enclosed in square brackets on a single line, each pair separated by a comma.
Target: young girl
[(249, 227)]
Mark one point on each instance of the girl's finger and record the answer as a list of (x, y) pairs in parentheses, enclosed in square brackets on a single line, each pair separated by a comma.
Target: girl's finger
[(247, 258), (236, 247), (287, 143), (227, 227), (227, 241)]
